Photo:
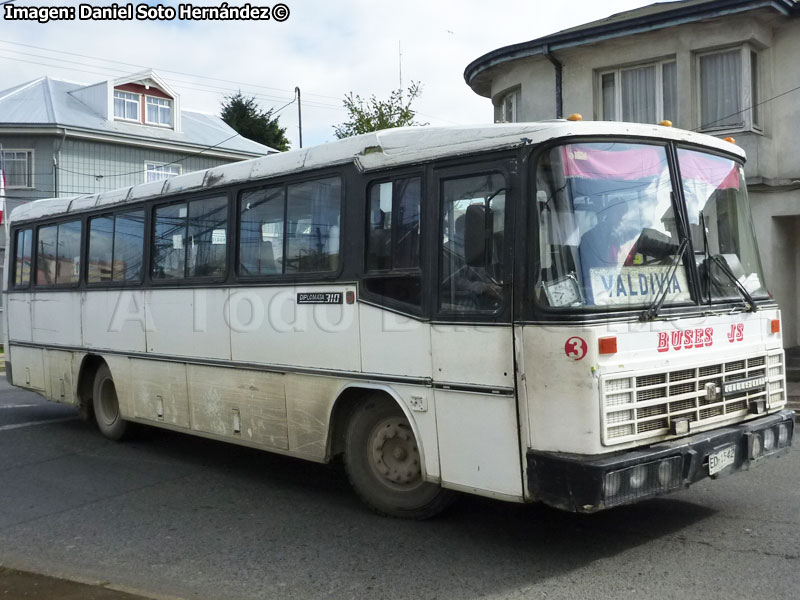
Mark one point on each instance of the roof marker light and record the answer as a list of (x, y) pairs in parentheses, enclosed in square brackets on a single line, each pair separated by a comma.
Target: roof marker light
[(730, 139), (665, 123), (575, 117)]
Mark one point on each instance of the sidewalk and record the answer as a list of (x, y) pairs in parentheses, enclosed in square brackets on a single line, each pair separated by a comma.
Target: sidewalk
[(19, 584)]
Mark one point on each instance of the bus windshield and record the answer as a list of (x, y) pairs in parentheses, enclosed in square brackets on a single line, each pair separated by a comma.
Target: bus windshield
[(609, 236)]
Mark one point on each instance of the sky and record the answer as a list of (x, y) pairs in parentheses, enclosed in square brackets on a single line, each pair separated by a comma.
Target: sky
[(325, 48)]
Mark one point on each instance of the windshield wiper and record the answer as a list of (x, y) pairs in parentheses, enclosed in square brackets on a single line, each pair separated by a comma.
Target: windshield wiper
[(750, 303), (655, 306)]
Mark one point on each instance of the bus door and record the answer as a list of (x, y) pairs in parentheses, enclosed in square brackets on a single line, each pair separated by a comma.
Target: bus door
[(471, 335)]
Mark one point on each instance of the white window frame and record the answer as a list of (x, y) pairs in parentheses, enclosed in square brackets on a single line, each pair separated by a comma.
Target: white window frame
[(138, 102), (158, 167), (746, 93), (513, 97), (617, 72), (156, 102), (29, 168)]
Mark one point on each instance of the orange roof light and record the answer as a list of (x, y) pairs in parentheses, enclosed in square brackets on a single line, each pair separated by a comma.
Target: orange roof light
[(775, 326), (575, 117), (607, 345), (730, 139), (665, 123)]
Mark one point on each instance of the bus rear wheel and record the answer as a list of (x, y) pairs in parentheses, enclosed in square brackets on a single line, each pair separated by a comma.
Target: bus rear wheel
[(106, 406), (383, 463)]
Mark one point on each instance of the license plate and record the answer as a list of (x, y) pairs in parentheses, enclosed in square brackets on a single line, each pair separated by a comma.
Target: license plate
[(720, 459)]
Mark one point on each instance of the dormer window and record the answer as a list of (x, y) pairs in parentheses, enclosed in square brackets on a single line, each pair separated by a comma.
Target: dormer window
[(158, 111), (126, 106)]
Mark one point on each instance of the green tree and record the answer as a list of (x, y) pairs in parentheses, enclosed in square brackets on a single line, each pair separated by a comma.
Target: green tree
[(248, 120), (373, 114)]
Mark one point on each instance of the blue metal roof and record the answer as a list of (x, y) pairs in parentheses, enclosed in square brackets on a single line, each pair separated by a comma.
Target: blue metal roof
[(47, 102)]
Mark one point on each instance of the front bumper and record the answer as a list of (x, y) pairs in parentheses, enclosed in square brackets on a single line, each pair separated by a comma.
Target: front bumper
[(590, 484)]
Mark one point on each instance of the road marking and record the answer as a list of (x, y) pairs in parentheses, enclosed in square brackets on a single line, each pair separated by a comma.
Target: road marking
[(32, 423), (20, 405)]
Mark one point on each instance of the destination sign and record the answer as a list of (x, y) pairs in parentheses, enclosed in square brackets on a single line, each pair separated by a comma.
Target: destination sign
[(638, 284)]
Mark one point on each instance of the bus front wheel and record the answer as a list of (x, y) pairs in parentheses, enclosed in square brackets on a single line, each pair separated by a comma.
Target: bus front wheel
[(383, 463), (106, 406)]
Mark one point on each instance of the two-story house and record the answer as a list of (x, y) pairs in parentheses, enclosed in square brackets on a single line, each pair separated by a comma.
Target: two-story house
[(59, 138), (724, 67)]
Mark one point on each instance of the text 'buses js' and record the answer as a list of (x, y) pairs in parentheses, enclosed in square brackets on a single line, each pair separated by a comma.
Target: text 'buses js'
[(571, 313)]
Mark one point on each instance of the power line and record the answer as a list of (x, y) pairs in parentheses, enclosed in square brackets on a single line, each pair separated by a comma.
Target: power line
[(179, 160), (158, 68), (752, 106), (185, 87)]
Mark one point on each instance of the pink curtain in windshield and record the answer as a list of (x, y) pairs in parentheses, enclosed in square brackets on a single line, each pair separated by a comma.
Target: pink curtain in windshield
[(722, 173), (593, 162)]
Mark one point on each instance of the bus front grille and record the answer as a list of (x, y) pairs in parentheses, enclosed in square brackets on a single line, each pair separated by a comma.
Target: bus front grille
[(642, 406)]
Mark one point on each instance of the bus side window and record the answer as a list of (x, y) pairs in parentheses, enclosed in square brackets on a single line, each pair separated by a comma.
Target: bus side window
[(169, 242), (128, 246), (191, 239), (101, 249), (58, 255), (262, 214), (313, 225), (465, 287), (393, 240), (22, 259), (207, 237)]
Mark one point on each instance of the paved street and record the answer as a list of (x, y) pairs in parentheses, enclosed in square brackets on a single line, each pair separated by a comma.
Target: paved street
[(170, 515)]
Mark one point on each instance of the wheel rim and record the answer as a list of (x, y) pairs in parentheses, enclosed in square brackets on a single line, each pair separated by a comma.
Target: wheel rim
[(393, 454), (109, 406)]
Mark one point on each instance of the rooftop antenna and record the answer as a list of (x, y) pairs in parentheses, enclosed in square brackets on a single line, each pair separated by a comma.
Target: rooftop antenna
[(400, 64)]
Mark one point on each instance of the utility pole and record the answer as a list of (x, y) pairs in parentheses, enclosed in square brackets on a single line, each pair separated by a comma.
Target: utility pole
[(299, 115)]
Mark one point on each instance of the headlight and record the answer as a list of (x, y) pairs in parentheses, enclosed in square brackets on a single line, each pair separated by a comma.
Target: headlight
[(783, 434), (769, 440), (756, 446)]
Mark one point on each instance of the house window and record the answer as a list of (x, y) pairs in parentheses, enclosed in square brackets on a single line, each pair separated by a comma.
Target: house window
[(17, 166), (158, 111), (509, 107), (641, 94), (728, 89), (158, 171), (126, 106)]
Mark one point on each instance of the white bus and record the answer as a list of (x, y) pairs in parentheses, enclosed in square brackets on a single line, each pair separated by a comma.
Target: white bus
[(565, 312)]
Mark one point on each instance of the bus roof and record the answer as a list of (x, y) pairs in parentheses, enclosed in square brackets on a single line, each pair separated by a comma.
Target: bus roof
[(369, 152)]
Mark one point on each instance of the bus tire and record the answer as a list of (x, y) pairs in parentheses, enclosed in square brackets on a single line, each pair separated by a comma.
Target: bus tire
[(383, 463), (106, 406)]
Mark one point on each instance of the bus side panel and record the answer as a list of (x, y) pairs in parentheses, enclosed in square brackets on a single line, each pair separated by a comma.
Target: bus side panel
[(270, 326), (18, 308), (244, 404), (160, 392), (28, 368), (309, 401), (478, 442), (60, 386), (56, 318), (473, 354), (392, 344), (187, 322), (114, 320), (478, 431)]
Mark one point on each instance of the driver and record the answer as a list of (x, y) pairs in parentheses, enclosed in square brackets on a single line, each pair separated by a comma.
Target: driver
[(606, 245)]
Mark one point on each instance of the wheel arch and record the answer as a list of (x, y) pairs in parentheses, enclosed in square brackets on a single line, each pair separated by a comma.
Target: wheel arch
[(86, 375), (348, 397)]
